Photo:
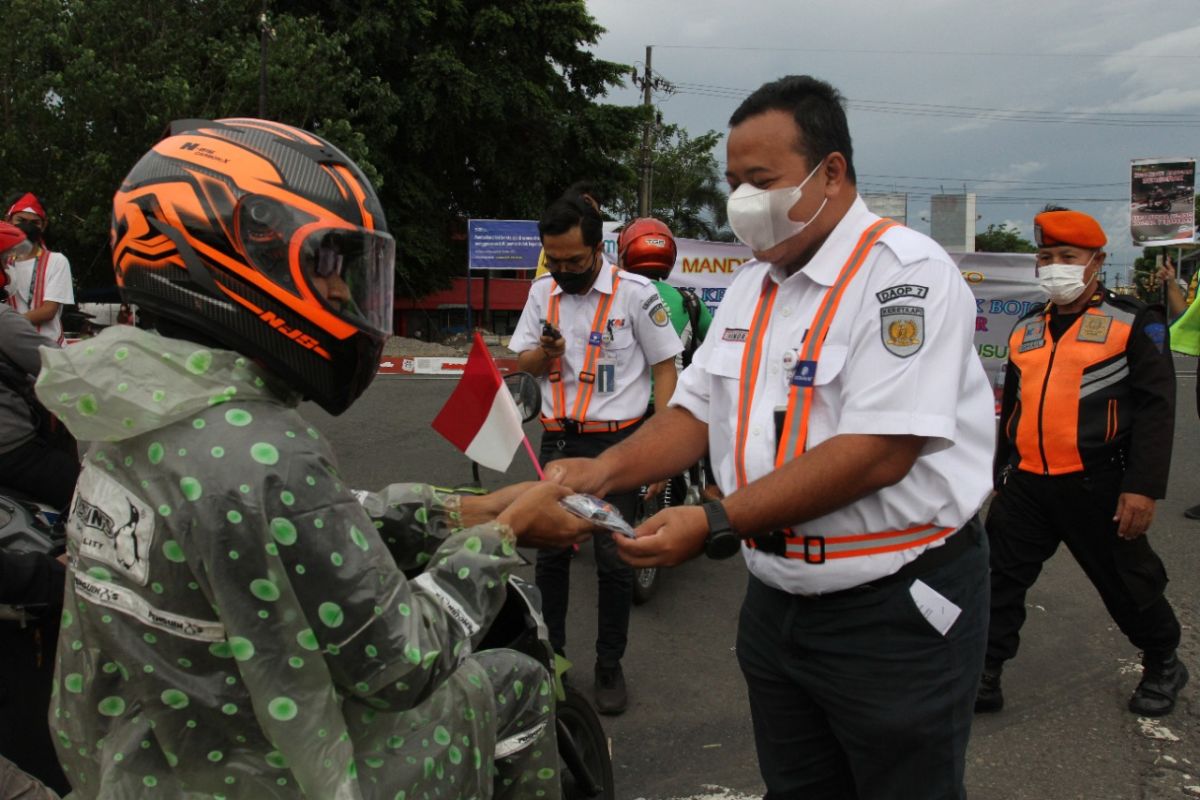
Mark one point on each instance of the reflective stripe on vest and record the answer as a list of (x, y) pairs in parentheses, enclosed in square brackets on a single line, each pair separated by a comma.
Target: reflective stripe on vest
[(586, 378), (1054, 421), (794, 435)]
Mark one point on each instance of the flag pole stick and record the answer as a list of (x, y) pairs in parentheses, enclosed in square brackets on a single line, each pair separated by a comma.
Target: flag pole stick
[(529, 449)]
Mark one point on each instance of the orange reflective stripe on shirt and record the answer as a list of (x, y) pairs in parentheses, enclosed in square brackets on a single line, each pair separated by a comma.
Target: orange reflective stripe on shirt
[(751, 364), (794, 436), (586, 379)]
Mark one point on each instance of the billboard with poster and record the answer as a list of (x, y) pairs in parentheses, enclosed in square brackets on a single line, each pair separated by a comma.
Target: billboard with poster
[(1162, 208)]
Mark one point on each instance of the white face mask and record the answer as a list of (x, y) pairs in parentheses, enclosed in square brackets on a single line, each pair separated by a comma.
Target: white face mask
[(1063, 282), (759, 217)]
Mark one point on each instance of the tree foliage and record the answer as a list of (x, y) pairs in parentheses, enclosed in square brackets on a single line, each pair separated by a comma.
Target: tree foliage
[(687, 185), (1002, 239), (455, 108)]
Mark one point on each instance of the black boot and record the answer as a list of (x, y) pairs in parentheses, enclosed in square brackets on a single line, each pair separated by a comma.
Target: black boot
[(989, 698), (610, 689), (1161, 681), (1193, 512)]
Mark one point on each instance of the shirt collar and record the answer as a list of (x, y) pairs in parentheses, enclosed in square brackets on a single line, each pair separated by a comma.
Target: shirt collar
[(602, 284), (827, 262)]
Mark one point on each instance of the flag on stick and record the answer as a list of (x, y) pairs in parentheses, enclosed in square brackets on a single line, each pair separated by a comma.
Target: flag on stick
[(481, 418)]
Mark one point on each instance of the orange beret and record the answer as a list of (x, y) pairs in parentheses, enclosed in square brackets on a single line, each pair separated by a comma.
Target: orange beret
[(1073, 228)]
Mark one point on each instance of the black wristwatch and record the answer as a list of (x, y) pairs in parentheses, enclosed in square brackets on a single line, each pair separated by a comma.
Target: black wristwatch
[(721, 541)]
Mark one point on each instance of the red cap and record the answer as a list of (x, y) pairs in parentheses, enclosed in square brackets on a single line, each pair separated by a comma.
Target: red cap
[(27, 203), (1071, 228)]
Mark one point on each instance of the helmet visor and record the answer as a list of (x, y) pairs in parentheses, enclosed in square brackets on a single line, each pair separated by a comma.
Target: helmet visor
[(353, 270)]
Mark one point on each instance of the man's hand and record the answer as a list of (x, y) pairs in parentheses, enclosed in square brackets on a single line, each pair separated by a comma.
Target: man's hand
[(539, 521), (1134, 514), (552, 347), (1166, 272), (584, 475), (670, 537)]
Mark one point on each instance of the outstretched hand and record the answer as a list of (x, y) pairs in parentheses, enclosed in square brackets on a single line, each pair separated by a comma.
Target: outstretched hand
[(539, 521), (584, 475), (670, 537)]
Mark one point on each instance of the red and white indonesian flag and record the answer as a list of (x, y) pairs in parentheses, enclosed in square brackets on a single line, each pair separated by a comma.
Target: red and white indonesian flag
[(481, 417)]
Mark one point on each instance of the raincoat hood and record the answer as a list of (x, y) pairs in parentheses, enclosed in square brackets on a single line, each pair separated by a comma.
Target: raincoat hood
[(127, 382)]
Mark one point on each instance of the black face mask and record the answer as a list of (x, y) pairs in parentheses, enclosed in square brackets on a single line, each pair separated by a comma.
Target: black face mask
[(574, 282), (31, 230)]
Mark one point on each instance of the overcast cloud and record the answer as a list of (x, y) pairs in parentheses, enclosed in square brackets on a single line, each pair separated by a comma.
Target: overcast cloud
[(926, 67)]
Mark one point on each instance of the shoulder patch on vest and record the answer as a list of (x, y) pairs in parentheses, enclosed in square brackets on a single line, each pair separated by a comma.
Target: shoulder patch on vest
[(902, 329), (1157, 333), (903, 290)]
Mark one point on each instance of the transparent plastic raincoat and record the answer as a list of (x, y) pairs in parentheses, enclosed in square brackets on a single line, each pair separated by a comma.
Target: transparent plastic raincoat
[(235, 625)]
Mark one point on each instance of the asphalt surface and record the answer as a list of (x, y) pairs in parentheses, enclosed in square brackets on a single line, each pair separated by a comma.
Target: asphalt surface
[(1065, 732)]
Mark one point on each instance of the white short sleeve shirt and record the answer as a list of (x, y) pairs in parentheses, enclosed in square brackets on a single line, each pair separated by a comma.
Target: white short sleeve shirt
[(636, 334), (22, 283), (899, 358)]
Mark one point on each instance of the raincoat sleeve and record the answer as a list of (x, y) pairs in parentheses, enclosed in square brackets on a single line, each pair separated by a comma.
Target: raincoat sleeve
[(413, 519), (325, 583)]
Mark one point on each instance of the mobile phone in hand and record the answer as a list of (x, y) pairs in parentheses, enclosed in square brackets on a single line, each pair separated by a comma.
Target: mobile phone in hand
[(550, 330)]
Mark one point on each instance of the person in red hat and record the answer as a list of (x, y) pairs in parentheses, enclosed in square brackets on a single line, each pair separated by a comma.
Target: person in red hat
[(1086, 427), (40, 283)]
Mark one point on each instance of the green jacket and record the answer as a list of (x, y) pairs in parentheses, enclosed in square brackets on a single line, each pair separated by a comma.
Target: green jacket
[(235, 626)]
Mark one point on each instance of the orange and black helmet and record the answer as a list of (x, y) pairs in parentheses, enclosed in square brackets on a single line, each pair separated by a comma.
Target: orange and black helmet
[(647, 247), (238, 228)]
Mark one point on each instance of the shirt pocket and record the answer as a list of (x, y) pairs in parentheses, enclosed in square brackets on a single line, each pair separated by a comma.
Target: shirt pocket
[(831, 364), (622, 340)]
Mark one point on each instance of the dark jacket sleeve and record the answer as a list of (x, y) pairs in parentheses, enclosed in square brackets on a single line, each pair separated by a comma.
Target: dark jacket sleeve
[(19, 341), (1152, 378), (31, 579)]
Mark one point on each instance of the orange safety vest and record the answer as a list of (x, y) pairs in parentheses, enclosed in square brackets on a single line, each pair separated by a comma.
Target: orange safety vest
[(587, 373), (793, 438), (1073, 407)]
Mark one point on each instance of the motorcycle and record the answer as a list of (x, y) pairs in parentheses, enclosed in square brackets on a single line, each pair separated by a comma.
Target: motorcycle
[(27, 526)]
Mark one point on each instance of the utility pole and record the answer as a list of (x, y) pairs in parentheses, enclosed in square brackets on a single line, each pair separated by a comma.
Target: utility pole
[(264, 32), (647, 87)]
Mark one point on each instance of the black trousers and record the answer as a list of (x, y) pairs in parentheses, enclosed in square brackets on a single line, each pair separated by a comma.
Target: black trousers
[(1028, 519), (553, 571), (855, 695), (43, 472)]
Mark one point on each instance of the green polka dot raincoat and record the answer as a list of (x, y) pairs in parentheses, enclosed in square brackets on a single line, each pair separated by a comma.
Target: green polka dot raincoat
[(235, 624)]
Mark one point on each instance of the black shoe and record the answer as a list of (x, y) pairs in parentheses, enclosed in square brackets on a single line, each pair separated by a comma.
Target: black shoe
[(610, 690), (1155, 695), (1192, 513), (989, 698)]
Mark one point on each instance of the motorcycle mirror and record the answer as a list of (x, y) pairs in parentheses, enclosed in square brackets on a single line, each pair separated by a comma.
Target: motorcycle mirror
[(525, 392)]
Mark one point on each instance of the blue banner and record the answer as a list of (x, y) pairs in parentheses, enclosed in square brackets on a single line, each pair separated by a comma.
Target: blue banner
[(502, 244)]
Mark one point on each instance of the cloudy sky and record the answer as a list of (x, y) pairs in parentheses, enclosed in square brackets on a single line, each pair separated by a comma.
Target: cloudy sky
[(1022, 102)]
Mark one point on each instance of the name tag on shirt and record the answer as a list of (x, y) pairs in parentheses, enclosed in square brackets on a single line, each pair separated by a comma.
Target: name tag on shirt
[(804, 373), (606, 376)]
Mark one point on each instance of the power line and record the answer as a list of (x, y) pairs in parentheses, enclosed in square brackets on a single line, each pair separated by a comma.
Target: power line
[(1098, 118), (951, 53)]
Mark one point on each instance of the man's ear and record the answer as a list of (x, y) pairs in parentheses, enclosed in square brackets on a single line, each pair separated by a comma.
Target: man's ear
[(836, 172)]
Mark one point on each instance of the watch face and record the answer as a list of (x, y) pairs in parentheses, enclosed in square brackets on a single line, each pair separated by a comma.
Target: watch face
[(722, 544)]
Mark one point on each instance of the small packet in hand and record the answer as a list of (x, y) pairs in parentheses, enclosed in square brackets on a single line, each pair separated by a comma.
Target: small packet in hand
[(597, 511)]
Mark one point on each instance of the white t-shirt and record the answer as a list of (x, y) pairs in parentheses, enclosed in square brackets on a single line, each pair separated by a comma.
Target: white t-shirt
[(22, 284), (929, 383), (636, 335)]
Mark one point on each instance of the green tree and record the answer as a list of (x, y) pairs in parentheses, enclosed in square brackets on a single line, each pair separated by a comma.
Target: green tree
[(687, 187), (455, 108), (1002, 239)]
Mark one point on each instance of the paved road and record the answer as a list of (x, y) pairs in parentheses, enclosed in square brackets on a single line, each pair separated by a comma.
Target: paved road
[(1065, 732)]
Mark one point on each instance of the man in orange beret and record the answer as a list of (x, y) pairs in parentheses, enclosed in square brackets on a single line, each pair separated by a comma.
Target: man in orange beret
[(1086, 428)]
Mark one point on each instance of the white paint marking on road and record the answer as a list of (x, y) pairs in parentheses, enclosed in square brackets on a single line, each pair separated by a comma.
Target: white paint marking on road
[(1152, 730), (715, 793)]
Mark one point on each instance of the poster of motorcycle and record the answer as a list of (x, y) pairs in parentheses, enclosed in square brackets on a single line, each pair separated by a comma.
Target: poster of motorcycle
[(1162, 208)]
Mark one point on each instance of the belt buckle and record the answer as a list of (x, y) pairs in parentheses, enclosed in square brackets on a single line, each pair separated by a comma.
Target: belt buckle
[(570, 426), (773, 543), (820, 557)]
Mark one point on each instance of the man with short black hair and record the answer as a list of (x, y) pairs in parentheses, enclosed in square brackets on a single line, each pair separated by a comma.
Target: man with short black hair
[(593, 334), (850, 425)]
